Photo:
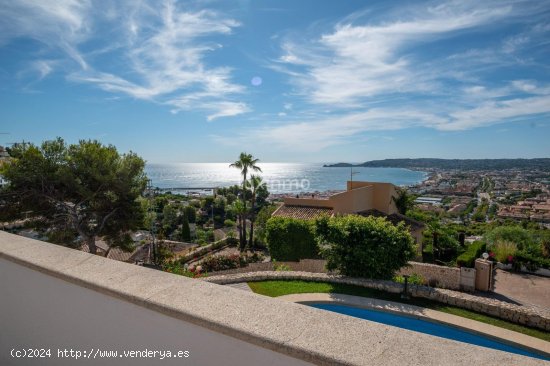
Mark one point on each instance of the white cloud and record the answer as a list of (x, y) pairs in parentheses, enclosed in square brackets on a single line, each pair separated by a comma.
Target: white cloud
[(370, 71), (355, 62), (37, 70), (511, 44), (60, 25), (43, 67), (163, 48), (316, 134), (226, 109), (526, 86), (493, 112), (169, 62)]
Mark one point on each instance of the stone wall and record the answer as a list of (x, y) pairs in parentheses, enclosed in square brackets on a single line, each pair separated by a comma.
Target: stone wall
[(525, 315), (204, 250), (304, 265), (436, 276)]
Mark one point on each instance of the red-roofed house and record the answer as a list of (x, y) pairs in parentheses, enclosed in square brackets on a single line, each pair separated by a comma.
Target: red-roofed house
[(361, 198)]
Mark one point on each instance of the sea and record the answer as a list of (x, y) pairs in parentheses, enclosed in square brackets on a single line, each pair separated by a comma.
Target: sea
[(281, 178)]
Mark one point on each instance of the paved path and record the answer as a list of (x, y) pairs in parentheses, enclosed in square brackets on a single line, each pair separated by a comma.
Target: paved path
[(523, 288), (241, 286)]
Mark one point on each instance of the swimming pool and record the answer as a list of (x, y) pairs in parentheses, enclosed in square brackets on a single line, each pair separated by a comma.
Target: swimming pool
[(423, 326)]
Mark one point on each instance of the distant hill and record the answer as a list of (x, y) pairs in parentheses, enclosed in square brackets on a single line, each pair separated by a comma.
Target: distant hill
[(462, 164)]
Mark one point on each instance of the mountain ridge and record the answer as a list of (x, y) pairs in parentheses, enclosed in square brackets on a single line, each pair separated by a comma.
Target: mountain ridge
[(464, 164)]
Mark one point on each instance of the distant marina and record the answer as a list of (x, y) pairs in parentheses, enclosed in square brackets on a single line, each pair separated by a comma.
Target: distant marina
[(281, 178)]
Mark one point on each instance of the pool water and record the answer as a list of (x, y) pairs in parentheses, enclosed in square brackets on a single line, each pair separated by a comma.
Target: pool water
[(427, 327)]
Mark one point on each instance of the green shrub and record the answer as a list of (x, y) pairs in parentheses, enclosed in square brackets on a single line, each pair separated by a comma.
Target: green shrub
[(532, 263), (291, 239), (191, 214), (473, 251), (229, 223), (515, 234), (232, 238), (224, 262), (185, 232), (504, 250), (414, 279), (428, 253), (545, 247), (281, 267), (368, 247), (204, 236), (180, 269)]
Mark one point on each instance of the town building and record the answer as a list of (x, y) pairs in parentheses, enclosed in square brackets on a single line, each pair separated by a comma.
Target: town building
[(360, 198), (534, 209)]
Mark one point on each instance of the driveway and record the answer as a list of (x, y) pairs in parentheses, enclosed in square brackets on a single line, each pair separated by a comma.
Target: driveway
[(523, 288)]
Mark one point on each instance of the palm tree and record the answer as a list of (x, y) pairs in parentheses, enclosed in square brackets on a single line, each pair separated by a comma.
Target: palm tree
[(240, 210), (245, 162), (255, 183)]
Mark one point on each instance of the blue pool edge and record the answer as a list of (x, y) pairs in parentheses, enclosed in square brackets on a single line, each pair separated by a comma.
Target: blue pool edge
[(537, 353)]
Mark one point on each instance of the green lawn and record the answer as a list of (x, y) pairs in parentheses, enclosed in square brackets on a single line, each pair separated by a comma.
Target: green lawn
[(280, 288)]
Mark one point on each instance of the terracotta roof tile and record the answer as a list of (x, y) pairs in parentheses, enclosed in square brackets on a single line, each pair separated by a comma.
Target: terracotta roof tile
[(119, 254), (301, 212)]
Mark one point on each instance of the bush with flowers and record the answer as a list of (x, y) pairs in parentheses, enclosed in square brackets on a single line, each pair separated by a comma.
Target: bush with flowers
[(212, 263), (224, 262), (184, 270)]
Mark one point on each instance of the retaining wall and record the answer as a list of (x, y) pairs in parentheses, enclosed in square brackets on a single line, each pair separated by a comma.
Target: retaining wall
[(202, 251), (439, 276), (304, 265)]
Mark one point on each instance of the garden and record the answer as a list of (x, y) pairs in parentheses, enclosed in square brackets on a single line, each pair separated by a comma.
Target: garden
[(519, 245), (511, 245)]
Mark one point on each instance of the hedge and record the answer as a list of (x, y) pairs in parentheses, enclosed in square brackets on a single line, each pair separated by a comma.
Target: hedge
[(369, 247), (474, 250), (291, 239)]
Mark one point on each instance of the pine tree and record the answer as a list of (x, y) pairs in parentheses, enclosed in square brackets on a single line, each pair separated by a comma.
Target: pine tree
[(185, 230)]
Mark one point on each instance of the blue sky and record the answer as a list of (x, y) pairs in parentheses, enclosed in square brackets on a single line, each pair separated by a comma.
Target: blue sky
[(308, 80)]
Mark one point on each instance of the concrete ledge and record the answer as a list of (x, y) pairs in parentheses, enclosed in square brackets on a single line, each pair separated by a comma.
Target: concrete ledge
[(504, 335), (531, 316), (302, 332)]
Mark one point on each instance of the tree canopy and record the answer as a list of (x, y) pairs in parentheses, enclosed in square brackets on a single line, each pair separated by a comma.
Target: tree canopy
[(404, 201), (360, 246), (78, 191)]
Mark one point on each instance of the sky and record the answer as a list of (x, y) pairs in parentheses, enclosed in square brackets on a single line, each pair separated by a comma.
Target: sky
[(288, 81)]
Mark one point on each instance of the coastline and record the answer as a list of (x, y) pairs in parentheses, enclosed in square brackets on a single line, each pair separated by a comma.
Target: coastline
[(282, 179)]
